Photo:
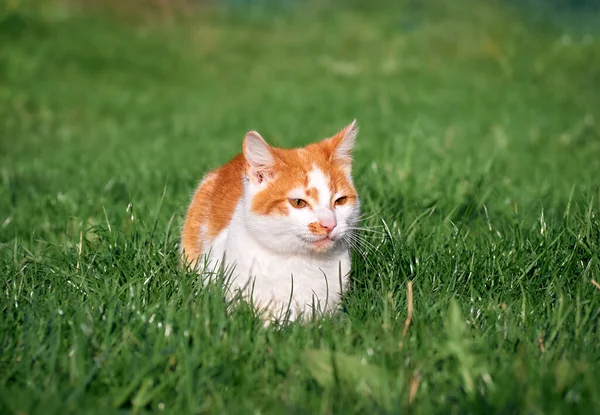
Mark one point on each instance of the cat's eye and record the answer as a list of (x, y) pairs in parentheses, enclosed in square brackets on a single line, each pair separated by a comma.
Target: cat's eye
[(341, 200), (298, 203)]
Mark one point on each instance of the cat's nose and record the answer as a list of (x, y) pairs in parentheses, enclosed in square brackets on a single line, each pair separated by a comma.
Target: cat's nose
[(328, 228), (327, 220)]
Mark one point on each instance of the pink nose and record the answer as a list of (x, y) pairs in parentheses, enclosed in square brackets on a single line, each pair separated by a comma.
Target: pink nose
[(329, 223)]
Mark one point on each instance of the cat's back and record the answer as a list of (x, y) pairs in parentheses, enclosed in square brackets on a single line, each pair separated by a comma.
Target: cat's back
[(212, 207)]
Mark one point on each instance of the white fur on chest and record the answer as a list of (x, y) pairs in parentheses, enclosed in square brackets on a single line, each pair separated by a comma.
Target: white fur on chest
[(277, 281)]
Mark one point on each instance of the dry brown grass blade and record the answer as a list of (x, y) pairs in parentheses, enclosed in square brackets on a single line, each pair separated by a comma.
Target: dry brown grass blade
[(414, 386), (79, 250), (541, 343), (596, 284), (409, 299)]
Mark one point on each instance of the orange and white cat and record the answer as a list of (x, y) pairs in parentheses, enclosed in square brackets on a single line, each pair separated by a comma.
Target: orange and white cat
[(282, 219)]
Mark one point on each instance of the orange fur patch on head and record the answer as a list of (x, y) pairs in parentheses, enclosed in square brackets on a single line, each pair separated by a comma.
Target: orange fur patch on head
[(291, 170), (274, 199), (313, 193)]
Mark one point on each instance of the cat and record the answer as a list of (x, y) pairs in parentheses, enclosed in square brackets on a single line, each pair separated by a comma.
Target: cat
[(281, 220)]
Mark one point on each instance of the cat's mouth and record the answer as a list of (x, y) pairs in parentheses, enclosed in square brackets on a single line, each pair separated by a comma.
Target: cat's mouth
[(323, 243)]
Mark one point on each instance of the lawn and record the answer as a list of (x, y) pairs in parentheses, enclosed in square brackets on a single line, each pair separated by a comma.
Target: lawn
[(478, 166)]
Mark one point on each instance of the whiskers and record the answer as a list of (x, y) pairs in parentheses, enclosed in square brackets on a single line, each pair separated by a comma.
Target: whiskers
[(368, 215), (366, 240)]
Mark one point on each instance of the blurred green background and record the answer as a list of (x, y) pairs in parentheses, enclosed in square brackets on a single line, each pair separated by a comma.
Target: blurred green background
[(107, 101)]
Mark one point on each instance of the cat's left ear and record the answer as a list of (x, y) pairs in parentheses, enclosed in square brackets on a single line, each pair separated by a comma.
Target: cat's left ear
[(340, 145)]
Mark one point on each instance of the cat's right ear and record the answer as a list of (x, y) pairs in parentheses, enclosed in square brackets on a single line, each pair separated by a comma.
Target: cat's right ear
[(259, 156)]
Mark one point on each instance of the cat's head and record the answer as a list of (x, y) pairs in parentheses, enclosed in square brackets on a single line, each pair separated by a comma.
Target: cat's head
[(301, 200)]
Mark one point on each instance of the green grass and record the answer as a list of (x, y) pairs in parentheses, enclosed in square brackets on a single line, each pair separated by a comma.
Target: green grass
[(478, 153)]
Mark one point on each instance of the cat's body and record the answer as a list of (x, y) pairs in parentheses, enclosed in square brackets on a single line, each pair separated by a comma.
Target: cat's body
[(279, 219)]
